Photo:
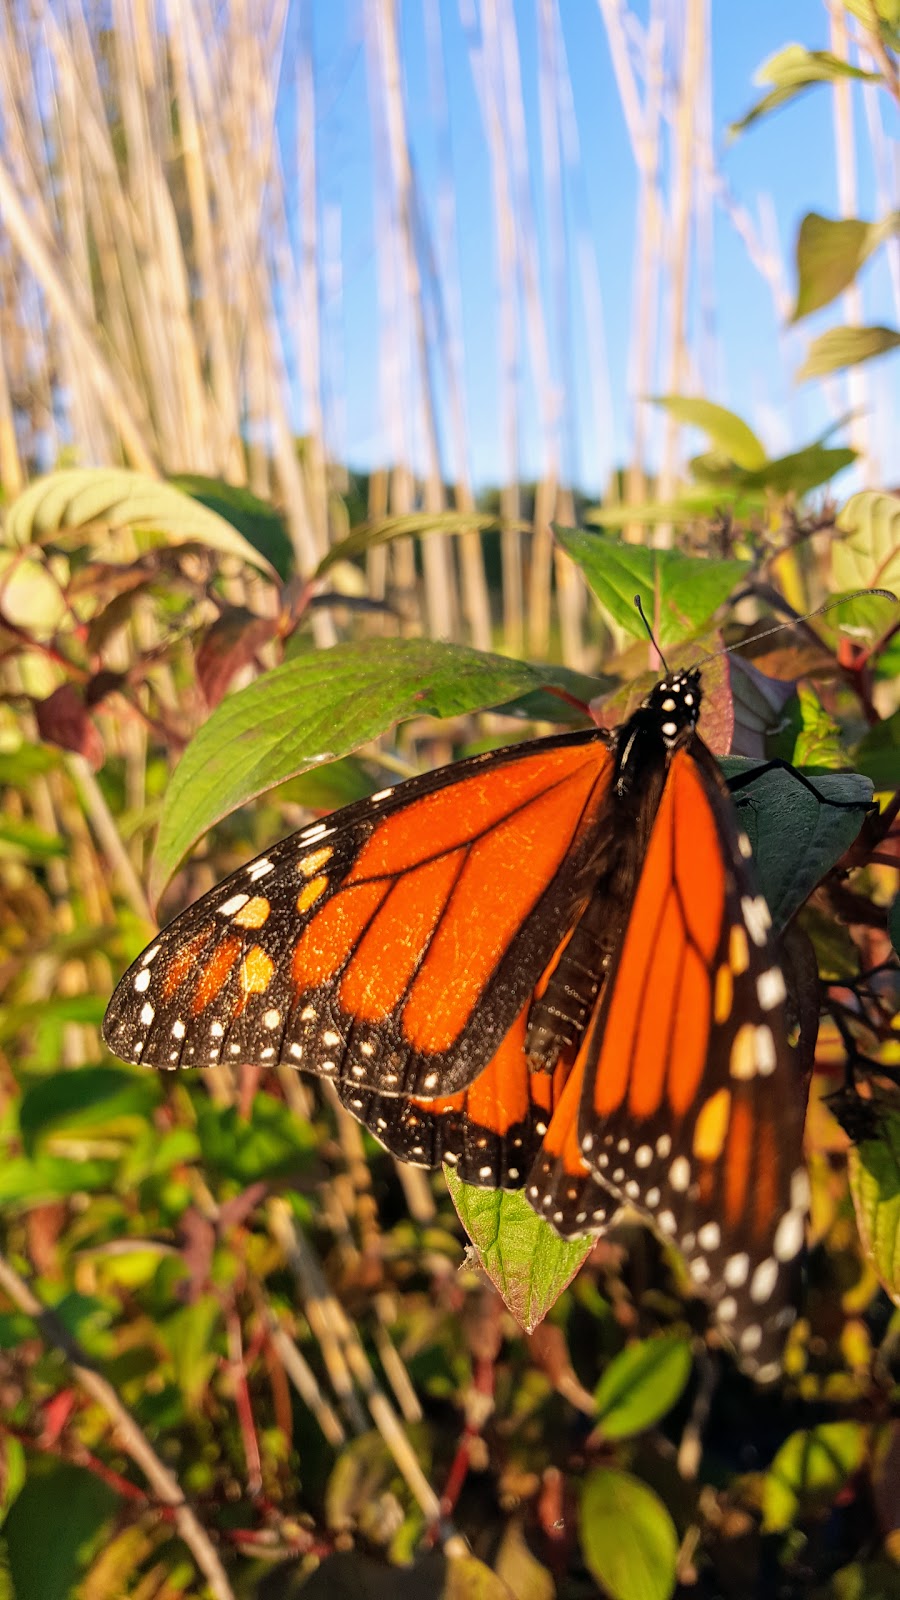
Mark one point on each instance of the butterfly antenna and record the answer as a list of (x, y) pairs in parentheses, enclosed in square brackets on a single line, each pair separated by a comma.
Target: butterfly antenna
[(643, 616), (827, 605)]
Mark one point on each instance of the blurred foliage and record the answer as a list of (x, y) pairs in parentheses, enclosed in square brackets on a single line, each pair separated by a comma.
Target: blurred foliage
[(289, 1320)]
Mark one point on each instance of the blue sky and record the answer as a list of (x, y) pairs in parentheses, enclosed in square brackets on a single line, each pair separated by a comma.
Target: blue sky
[(788, 159)]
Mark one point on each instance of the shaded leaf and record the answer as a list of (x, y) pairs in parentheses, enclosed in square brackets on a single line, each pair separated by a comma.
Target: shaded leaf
[(797, 835), (188, 1335), (641, 1384), (27, 840), (88, 1097), (271, 1143), (802, 470), (528, 1264), (868, 555), (627, 1537), (113, 498), (315, 708), (53, 1529), (261, 525), (62, 719), (874, 1166), (894, 923), (729, 433), (229, 646), (791, 71), (520, 1569), (811, 1467), (830, 252), (846, 347), (680, 593)]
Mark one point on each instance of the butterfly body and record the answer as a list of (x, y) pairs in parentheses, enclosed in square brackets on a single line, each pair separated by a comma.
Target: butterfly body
[(548, 967)]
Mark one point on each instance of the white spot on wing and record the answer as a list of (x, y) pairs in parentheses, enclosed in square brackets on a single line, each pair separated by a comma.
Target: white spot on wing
[(271, 1018), (229, 907), (764, 1280), (680, 1174), (148, 955), (260, 869), (147, 1014), (142, 981), (770, 990)]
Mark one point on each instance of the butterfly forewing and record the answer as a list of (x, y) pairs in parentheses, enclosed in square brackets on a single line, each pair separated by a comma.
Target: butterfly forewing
[(367, 948)]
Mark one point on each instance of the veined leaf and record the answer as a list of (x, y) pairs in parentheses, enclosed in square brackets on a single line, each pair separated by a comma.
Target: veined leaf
[(846, 347), (528, 1264), (830, 252)]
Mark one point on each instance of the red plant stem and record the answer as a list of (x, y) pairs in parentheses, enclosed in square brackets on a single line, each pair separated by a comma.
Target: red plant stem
[(243, 1404)]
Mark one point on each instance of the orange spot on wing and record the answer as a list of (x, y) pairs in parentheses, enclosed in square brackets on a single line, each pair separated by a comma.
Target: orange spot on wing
[(388, 954), (310, 893), (699, 868), (690, 1036), (661, 999), (453, 816), (712, 1126), (214, 974), (325, 943), (738, 1162), (184, 961), (257, 970), (503, 878)]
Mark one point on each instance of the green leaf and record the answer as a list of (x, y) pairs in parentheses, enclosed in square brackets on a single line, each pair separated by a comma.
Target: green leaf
[(729, 433), (696, 503), (874, 1166), (802, 470), (680, 593), (878, 753), (261, 525), (95, 1098), (383, 530), (809, 1470), (846, 347), (797, 836), (114, 498), (868, 556), (528, 1264), (894, 922), (272, 1143), (642, 1384), (888, 19), (30, 842), (313, 709), (54, 1528), (188, 1335), (25, 1183), (818, 742), (830, 252), (30, 596), (791, 71), (627, 1537)]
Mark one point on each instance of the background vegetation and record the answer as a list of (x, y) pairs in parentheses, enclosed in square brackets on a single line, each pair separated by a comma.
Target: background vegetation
[(240, 1353)]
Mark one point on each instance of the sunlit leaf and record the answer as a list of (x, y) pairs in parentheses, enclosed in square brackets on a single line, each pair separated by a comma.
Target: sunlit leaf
[(418, 524), (868, 554), (729, 433), (793, 70), (846, 347), (811, 1467), (627, 1537), (113, 498), (527, 1262), (189, 1335), (680, 593), (315, 708), (875, 1186), (30, 595), (830, 252), (641, 1384)]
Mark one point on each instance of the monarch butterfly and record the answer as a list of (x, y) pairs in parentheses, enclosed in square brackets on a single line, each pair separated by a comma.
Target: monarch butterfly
[(548, 966)]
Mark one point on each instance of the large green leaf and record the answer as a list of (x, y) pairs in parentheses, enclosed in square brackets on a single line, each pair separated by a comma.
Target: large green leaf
[(680, 593), (830, 252), (875, 1185), (729, 433), (627, 1537), (868, 556), (271, 1143), (95, 1098), (528, 1264), (846, 347), (793, 70), (641, 1384), (259, 522), (810, 1469), (315, 708), (25, 1183), (53, 1529), (112, 498), (797, 835), (878, 753)]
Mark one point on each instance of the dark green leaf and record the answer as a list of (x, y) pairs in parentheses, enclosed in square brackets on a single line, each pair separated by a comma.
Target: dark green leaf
[(875, 1185), (846, 347), (728, 433), (528, 1264), (791, 71), (641, 1384), (627, 1537), (53, 1529), (810, 1469), (878, 753), (797, 836), (260, 523), (680, 593), (313, 709), (25, 1183), (89, 1097), (830, 253), (868, 556), (189, 1335), (802, 471), (272, 1143)]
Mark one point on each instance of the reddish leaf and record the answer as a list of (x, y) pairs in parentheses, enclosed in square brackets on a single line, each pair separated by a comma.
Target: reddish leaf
[(230, 644), (63, 719)]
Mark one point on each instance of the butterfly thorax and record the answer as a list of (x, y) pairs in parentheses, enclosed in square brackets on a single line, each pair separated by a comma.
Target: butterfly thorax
[(644, 747)]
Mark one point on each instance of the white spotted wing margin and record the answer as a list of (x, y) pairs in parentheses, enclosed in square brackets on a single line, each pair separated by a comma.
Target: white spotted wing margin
[(693, 1109)]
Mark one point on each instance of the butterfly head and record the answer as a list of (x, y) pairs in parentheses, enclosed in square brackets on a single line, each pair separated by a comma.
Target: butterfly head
[(675, 702)]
